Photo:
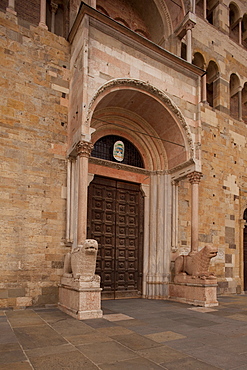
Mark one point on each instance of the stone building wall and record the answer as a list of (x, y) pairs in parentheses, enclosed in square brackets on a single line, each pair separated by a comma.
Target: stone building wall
[(223, 153), (34, 107), (33, 110)]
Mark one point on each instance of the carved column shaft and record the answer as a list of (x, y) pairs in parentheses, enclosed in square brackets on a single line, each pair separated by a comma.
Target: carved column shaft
[(84, 149), (204, 88), (189, 42), (205, 9), (194, 179), (174, 216), (240, 104), (11, 7), (240, 31), (54, 8), (42, 22)]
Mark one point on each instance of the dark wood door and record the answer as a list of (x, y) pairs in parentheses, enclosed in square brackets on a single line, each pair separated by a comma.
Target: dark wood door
[(245, 258), (115, 220)]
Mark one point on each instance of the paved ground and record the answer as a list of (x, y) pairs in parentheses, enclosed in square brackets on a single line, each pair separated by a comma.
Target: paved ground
[(134, 334)]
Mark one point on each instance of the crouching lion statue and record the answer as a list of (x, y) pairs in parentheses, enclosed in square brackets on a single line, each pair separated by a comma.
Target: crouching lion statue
[(81, 262), (196, 265)]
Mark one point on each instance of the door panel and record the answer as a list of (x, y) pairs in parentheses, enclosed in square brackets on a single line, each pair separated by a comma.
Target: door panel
[(115, 220)]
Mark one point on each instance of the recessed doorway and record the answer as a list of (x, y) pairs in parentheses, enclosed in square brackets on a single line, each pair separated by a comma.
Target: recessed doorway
[(115, 220)]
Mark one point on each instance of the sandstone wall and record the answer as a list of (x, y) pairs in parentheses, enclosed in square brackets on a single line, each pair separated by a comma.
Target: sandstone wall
[(33, 110)]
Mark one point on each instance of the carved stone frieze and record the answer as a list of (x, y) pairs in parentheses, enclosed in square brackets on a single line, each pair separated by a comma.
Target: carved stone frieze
[(195, 177), (84, 148)]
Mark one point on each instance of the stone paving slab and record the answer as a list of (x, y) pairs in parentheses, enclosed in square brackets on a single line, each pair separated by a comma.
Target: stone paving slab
[(134, 334)]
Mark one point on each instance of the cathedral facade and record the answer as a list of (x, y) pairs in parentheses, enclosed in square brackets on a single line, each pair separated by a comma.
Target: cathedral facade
[(122, 121)]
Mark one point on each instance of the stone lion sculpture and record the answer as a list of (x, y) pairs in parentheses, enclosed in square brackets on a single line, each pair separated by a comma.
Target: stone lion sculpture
[(81, 262), (196, 265)]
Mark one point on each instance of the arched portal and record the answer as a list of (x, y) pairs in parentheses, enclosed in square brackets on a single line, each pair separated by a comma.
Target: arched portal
[(137, 201)]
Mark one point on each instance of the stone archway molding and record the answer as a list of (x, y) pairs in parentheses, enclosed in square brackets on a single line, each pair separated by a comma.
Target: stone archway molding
[(147, 88)]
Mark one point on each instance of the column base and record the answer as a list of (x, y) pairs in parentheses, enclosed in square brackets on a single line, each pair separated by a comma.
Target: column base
[(11, 10), (80, 299), (195, 291), (43, 25)]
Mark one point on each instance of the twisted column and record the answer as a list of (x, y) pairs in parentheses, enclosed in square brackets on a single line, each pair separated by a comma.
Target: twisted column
[(83, 150), (194, 179)]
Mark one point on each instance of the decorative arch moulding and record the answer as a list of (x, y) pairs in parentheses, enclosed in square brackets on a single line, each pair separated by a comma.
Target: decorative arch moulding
[(153, 92)]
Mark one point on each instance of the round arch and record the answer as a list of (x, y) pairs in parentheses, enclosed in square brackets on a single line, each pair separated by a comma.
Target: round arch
[(145, 115)]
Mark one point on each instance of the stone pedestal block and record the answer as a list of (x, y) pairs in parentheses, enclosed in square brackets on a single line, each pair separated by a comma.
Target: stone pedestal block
[(194, 291), (80, 299)]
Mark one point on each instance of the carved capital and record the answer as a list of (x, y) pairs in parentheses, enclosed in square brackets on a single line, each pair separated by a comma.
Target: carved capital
[(84, 148), (54, 7), (195, 177), (189, 25)]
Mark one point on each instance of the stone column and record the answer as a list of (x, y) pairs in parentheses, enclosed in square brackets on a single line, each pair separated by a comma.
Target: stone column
[(11, 7), (194, 6), (189, 27), (240, 31), (240, 104), (241, 261), (194, 179), (174, 216), (54, 8), (42, 22), (69, 167), (205, 9), (83, 149), (204, 87)]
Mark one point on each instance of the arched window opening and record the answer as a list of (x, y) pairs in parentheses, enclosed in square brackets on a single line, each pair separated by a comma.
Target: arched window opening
[(183, 50), (244, 103), (102, 10), (55, 17), (212, 75), (206, 9), (122, 21), (126, 13), (117, 149), (234, 96), (244, 31), (141, 33), (198, 61), (199, 8), (234, 22)]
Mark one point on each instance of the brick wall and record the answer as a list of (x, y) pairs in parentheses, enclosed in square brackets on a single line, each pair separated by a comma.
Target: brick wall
[(28, 10), (33, 110)]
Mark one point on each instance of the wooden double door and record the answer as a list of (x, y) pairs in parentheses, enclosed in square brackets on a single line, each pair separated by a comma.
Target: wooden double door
[(115, 220)]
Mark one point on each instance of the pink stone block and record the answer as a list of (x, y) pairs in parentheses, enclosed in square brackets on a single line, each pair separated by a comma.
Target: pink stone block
[(82, 300), (197, 294)]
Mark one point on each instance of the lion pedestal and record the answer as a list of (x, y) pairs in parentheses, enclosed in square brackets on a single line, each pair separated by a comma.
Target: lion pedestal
[(193, 284), (79, 291)]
